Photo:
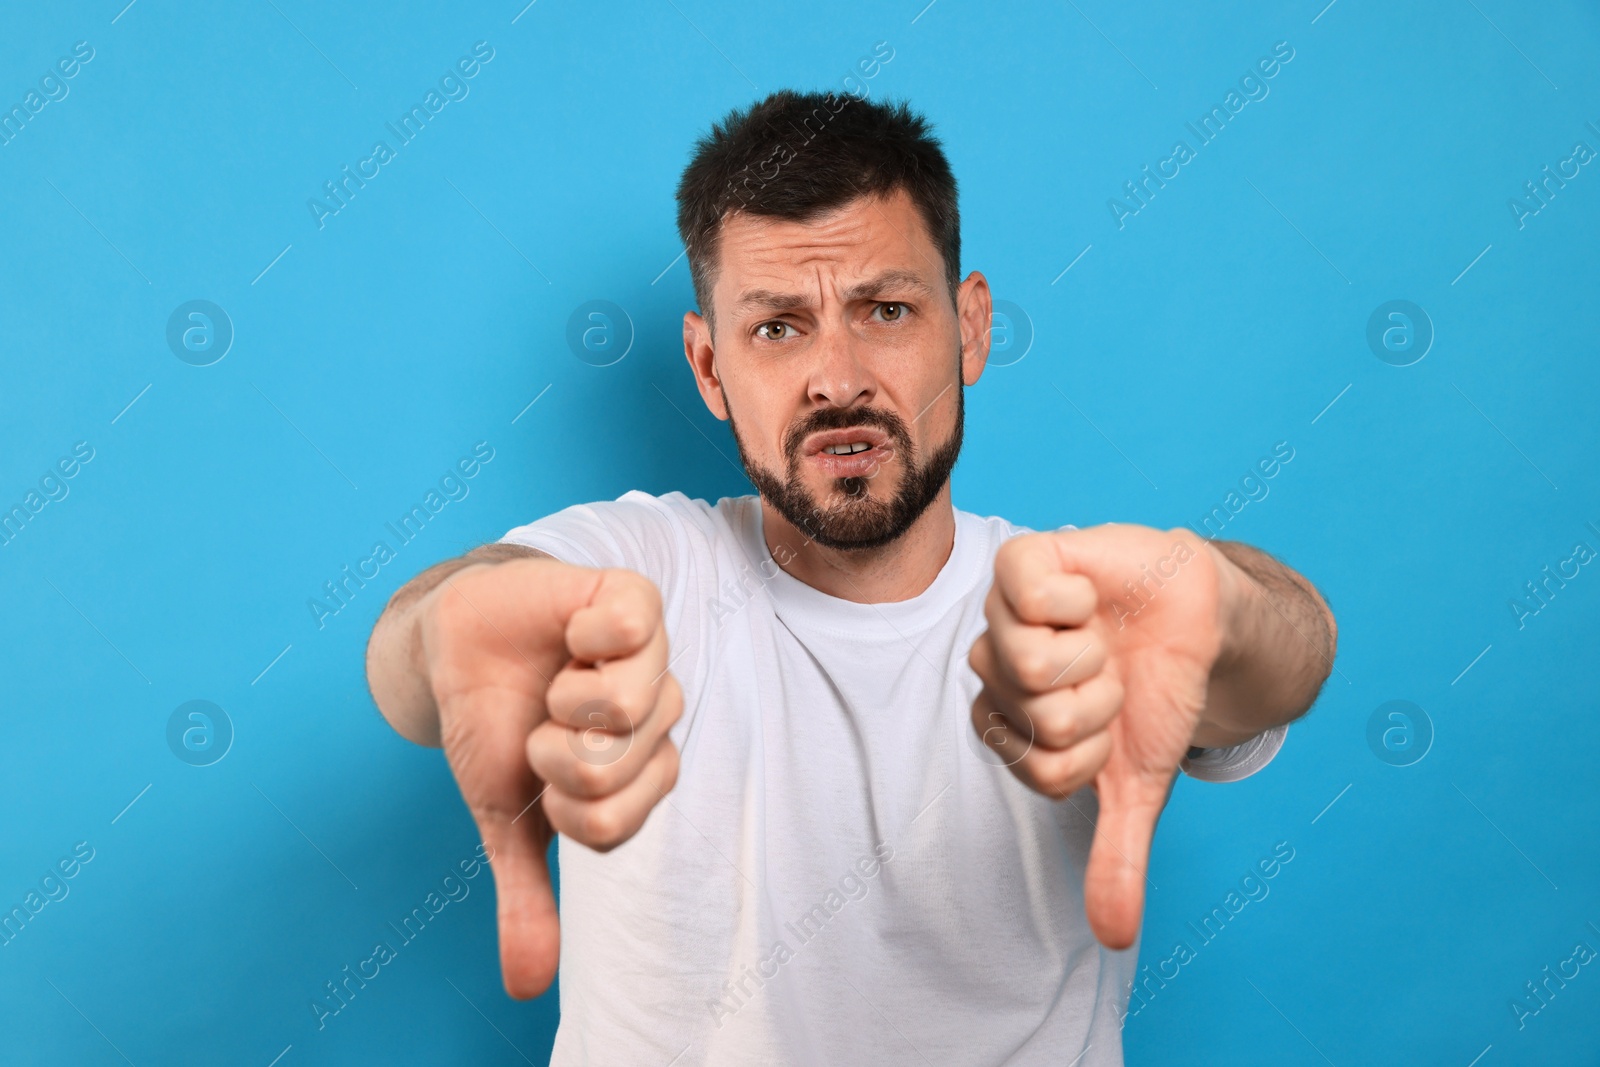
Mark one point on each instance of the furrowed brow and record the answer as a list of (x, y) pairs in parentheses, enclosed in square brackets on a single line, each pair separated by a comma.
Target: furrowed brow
[(769, 300), (890, 282)]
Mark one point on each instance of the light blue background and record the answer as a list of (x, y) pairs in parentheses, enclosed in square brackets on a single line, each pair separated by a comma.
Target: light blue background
[(426, 315)]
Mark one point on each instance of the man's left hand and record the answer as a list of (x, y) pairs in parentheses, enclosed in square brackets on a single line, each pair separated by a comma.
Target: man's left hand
[(1095, 667)]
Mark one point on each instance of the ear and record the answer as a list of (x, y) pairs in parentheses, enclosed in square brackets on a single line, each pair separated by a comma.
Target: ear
[(702, 361), (975, 315)]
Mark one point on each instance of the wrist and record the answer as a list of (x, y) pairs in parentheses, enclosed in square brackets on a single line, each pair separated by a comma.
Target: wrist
[(397, 674), (1238, 601), (1236, 598), (399, 663), (421, 616)]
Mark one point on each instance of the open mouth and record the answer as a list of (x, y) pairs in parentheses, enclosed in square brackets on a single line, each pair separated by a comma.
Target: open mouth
[(852, 452)]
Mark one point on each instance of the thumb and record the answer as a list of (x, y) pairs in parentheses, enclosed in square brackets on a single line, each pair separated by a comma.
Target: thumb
[(1113, 885), (530, 929)]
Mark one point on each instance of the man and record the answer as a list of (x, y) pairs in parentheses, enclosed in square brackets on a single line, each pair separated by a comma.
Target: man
[(839, 772)]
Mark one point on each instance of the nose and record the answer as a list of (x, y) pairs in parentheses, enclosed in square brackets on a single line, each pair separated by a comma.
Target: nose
[(840, 377)]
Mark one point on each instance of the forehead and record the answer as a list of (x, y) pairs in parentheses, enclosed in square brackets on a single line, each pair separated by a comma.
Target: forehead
[(864, 238)]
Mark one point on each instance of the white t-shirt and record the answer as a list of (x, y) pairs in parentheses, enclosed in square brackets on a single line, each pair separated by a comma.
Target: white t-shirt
[(844, 873)]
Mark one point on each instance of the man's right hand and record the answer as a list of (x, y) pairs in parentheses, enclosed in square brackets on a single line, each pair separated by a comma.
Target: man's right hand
[(554, 702)]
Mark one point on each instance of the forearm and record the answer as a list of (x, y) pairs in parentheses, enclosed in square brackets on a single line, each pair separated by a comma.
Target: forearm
[(1278, 647), (396, 670)]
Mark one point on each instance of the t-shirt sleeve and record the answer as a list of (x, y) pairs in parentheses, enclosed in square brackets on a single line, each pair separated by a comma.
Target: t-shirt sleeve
[(1234, 762), (669, 539), (637, 532)]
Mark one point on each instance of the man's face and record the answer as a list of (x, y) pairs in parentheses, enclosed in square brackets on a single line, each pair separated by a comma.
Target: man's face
[(839, 360)]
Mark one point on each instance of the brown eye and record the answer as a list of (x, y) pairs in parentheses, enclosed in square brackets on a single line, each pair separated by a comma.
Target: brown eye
[(772, 326), (892, 312)]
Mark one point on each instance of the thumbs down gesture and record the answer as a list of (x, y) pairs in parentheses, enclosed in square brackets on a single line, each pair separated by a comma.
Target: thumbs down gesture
[(1111, 650)]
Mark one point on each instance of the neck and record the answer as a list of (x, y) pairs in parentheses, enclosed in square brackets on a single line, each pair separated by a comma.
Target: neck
[(898, 570)]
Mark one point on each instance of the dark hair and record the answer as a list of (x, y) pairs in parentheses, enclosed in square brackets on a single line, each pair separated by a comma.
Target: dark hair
[(798, 155)]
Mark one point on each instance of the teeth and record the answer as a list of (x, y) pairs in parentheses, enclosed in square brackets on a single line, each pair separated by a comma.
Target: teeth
[(845, 450)]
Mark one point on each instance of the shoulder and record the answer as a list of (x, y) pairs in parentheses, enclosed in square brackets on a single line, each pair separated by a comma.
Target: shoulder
[(692, 517), (682, 544), (636, 519), (637, 507), (992, 531)]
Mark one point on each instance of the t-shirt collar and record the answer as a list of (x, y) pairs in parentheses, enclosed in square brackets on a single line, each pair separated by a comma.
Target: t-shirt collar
[(799, 604)]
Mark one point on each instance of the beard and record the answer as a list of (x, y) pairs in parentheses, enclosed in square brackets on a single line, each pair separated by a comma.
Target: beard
[(850, 517)]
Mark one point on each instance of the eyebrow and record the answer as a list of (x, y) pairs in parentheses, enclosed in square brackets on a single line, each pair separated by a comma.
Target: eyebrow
[(888, 281)]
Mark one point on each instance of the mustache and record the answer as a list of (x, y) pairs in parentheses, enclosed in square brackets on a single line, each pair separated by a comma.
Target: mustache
[(843, 418)]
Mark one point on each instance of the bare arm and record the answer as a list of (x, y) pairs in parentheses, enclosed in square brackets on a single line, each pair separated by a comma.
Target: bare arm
[(1278, 647), (396, 668)]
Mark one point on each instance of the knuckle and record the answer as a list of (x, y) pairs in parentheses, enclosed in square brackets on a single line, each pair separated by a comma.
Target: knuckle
[(1060, 773), (1006, 552), (591, 778), (641, 591), (627, 623), (1033, 667), (1000, 729), (602, 827), (645, 586), (1087, 590), (608, 706), (994, 603), (669, 705), (1054, 729), (670, 768), (978, 656), (1086, 662), (1013, 551), (543, 755), (564, 695), (1061, 778), (559, 812), (1100, 754), (979, 715), (579, 710), (1115, 693), (586, 699), (1033, 602), (1035, 773), (637, 629), (631, 705), (1091, 755), (1004, 723)]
